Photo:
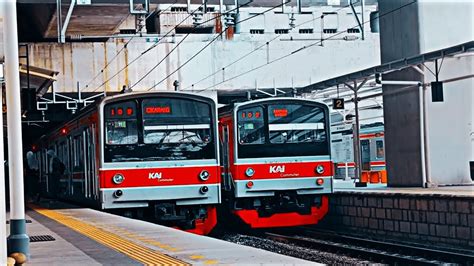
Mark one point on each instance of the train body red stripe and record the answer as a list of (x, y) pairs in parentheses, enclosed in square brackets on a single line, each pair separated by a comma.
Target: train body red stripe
[(172, 176), (283, 170)]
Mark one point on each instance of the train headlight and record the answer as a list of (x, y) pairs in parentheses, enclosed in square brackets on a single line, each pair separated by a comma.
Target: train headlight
[(118, 179), (319, 181), (319, 169), (204, 190), (249, 172), (118, 193), (204, 175), (249, 184)]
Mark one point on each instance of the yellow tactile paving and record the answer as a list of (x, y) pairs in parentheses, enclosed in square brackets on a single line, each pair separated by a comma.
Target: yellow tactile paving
[(133, 250)]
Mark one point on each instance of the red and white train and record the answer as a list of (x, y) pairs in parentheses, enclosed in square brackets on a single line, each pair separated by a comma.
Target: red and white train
[(148, 154), (372, 152), (276, 161)]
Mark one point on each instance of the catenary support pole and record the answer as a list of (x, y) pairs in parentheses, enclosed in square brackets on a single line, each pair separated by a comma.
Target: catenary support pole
[(18, 241)]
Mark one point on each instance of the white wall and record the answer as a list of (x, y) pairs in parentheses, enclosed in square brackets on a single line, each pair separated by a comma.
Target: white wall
[(445, 23), (450, 123)]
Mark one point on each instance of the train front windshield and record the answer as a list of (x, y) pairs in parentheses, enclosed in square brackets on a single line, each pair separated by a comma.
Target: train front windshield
[(282, 129), (158, 129)]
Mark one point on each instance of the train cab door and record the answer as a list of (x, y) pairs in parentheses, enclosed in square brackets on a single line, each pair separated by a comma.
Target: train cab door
[(365, 154), (225, 158)]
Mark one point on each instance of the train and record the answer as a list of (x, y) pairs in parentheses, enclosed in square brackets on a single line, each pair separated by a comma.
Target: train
[(372, 152), (175, 158), (139, 154), (276, 161)]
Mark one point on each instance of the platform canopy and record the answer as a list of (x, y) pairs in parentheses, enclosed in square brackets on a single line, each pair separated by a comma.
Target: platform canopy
[(370, 73)]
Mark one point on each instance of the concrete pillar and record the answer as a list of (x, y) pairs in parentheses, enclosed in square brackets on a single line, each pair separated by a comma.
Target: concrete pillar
[(399, 38), (18, 241)]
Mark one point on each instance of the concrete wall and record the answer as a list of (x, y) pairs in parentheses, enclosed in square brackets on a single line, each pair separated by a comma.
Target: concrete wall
[(80, 62), (399, 33)]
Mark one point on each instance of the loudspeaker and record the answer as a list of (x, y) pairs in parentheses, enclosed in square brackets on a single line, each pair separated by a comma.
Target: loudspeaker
[(437, 91)]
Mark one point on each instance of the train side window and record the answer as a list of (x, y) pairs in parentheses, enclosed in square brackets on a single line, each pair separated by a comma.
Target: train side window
[(380, 149), (78, 154)]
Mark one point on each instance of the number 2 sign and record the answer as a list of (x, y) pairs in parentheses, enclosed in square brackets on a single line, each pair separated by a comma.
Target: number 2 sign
[(338, 104)]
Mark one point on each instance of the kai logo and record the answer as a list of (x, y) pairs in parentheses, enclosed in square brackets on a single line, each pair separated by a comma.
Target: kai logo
[(277, 169), (155, 175)]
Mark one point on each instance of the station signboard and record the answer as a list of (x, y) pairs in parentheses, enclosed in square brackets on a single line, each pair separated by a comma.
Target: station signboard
[(338, 104)]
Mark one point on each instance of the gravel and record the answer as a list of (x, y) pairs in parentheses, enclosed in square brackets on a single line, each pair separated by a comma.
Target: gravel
[(289, 249)]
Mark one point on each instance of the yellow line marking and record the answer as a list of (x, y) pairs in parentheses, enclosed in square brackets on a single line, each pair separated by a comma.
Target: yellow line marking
[(196, 257), (210, 262), (133, 250)]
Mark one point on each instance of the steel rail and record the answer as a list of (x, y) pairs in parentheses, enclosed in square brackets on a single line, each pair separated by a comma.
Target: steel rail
[(378, 250)]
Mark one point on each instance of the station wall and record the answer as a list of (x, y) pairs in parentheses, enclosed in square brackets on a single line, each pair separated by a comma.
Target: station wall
[(80, 62), (421, 27)]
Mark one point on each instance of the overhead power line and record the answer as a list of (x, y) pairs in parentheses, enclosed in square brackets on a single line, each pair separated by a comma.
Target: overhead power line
[(259, 47), (167, 34), (118, 53), (212, 41), (302, 48)]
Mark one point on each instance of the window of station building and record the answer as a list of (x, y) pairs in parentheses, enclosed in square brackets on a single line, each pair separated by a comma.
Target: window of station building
[(353, 30), (282, 31), (330, 31), (251, 126), (380, 149), (257, 31), (306, 31), (121, 123), (178, 9), (294, 123)]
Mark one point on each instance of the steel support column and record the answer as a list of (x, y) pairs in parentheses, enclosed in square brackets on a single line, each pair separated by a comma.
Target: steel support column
[(18, 241)]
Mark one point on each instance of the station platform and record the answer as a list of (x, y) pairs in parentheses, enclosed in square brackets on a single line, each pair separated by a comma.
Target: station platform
[(81, 236), (449, 191), (437, 216)]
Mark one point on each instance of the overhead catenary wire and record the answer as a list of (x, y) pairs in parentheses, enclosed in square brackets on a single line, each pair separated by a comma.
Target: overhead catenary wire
[(213, 40), (174, 48), (162, 38), (147, 50), (259, 47), (120, 51), (300, 49)]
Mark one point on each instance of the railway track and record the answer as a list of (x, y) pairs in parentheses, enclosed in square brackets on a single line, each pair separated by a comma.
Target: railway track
[(376, 251)]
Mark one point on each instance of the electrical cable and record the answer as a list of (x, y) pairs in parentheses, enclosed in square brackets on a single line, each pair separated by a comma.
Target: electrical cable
[(120, 51), (148, 49), (169, 53), (213, 40), (301, 49), (259, 47)]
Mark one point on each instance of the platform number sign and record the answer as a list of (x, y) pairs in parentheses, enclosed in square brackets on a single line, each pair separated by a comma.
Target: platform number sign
[(338, 104)]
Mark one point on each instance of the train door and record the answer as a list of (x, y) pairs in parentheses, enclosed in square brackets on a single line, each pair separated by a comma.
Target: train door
[(365, 154), (78, 188), (89, 164), (225, 158)]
